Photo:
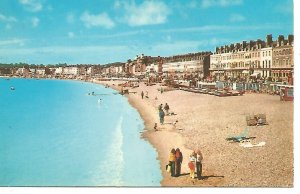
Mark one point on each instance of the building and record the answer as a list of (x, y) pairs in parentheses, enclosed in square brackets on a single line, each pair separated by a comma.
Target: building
[(283, 58), (40, 71), (22, 71), (69, 70), (253, 59), (59, 70), (182, 66)]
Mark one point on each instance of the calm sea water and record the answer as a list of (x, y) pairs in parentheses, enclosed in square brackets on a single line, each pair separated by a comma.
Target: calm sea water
[(52, 133)]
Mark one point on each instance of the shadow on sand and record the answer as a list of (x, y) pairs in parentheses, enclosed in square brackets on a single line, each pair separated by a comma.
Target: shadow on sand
[(210, 176), (203, 177)]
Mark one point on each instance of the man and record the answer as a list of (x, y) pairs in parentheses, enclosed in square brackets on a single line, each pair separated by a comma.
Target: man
[(142, 94), (166, 107), (161, 116), (199, 159)]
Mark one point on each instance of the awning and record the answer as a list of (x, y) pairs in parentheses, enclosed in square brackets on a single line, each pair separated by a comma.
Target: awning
[(245, 71), (281, 71), (255, 74)]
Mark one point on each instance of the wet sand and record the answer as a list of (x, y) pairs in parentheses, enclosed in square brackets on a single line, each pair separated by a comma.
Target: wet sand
[(205, 121)]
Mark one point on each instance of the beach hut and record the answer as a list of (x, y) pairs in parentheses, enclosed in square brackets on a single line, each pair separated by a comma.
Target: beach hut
[(286, 92)]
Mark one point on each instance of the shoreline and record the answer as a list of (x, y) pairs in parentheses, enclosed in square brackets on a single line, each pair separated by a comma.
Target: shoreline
[(159, 140), (205, 122)]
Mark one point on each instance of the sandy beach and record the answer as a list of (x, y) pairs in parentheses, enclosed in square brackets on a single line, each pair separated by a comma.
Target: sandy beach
[(205, 121)]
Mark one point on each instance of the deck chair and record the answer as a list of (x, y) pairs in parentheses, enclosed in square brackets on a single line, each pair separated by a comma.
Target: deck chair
[(242, 136)]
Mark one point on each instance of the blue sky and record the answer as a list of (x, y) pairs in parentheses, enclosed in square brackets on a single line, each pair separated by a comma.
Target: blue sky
[(105, 31)]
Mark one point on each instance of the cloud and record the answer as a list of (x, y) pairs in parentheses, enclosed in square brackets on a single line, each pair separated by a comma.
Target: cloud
[(185, 46), (35, 21), (49, 8), (236, 18), (70, 18), (69, 54), (71, 34), (177, 47), (192, 4), (102, 20), (7, 26), (14, 41), (220, 3), (4, 18), (32, 5), (222, 28), (147, 13)]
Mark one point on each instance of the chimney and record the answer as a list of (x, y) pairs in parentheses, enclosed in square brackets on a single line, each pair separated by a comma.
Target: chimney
[(231, 47), (269, 40), (226, 48), (222, 49), (237, 46), (244, 44), (280, 40), (290, 39), (258, 43), (251, 44)]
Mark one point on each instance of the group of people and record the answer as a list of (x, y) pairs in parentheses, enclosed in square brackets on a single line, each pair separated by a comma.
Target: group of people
[(175, 161), (161, 112), (195, 163)]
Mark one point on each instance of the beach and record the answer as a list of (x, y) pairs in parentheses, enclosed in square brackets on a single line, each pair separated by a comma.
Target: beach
[(204, 122)]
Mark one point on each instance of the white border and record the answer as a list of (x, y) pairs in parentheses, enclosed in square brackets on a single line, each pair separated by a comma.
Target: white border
[(38, 190)]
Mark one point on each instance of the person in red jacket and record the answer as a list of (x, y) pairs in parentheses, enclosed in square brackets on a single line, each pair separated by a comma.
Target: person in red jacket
[(178, 162)]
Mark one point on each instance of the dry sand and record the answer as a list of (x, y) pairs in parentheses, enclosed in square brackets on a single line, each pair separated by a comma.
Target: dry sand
[(205, 121)]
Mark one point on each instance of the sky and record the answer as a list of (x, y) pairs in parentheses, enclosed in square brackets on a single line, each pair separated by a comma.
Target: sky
[(107, 31)]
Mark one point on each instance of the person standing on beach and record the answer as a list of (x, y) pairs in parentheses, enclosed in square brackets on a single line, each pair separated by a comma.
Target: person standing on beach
[(166, 107), (178, 162), (142, 94), (161, 116), (160, 107), (192, 165), (146, 94), (199, 159), (172, 162)]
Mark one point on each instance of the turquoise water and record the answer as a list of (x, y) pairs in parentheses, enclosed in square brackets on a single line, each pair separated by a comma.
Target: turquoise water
[(52, 133)]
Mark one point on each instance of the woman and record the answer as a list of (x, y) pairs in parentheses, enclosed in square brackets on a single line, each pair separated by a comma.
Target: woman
[(178, 162), (192, 164), (172, 162)]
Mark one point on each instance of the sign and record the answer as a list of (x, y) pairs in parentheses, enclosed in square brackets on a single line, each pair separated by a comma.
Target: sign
[(290, 92)]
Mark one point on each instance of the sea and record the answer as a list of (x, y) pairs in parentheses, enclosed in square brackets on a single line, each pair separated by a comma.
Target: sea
[(71, 133)]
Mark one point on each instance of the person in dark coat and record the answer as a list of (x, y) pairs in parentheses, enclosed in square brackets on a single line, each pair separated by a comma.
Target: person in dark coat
[(166, 107), (199, 159), (178, 162), (161, 116)]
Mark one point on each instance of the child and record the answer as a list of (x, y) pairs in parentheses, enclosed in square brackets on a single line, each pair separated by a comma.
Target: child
[(192, 165)]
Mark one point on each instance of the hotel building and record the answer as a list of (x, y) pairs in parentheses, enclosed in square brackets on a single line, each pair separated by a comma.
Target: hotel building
[(270, 59)]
